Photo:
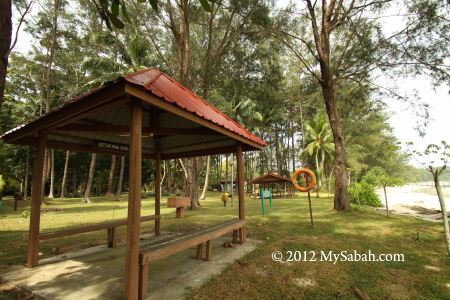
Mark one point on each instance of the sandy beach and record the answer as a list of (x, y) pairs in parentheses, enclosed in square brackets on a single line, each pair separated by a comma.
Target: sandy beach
[(409, 200)]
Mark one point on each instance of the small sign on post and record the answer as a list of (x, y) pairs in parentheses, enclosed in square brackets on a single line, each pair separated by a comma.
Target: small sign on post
[(263, 194), (112, 146)]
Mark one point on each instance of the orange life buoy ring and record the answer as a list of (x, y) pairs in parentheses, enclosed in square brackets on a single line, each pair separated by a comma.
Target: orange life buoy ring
[(312, 182)]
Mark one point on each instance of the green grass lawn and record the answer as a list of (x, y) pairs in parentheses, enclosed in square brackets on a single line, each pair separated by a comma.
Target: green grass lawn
[(425, 273)]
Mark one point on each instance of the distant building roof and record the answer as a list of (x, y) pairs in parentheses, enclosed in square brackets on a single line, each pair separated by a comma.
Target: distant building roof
[(271, 177)]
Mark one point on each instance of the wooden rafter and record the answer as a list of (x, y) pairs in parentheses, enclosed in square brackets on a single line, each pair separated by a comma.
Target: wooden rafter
[(145, 130)]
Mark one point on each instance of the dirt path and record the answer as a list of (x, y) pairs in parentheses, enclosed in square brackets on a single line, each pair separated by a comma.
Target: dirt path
[(405, 200)]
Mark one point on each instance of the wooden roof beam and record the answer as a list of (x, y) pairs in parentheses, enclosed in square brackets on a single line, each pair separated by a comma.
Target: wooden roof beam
[(79, 147), (210, 151), (145, 130)]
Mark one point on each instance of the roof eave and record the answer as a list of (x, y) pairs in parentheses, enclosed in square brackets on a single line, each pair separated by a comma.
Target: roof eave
[(71, 111), (141, 93)]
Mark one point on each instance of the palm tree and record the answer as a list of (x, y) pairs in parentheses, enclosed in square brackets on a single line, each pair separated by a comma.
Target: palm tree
[(246, 112), (320, 145)]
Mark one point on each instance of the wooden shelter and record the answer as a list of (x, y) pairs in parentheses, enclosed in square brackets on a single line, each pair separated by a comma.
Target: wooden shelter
[(146, 115), (281, 185)]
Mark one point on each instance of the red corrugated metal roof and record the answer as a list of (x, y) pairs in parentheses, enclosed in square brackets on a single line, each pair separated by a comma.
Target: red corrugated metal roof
[(165, 87)]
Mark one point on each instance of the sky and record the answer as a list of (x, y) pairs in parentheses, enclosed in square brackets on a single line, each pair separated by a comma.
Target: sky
[(402, 119)]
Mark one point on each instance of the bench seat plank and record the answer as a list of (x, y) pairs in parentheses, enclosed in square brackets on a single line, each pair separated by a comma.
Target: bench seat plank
[(90, 228), (154, 252)]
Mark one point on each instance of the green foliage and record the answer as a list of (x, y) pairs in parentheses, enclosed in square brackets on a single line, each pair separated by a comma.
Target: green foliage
[(379, 178), (115, 12), (11, 185), (243, 71), (320, 144), (434, 156), (246, 113), (363, 193), (320, 136), (413, 174), (25, 214), (2, 183)]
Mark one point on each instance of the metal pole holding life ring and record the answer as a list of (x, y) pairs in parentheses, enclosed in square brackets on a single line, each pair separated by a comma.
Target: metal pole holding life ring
[(311, 184)]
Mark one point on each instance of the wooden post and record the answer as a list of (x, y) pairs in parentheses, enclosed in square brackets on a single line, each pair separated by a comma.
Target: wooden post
[(199, 251), (36, 200), (143, 282), (241, 194), (134, 203), (208, 250), (158, 192), (112, 241), (240, 176), (180, 212), (310, 210), (242, 235)]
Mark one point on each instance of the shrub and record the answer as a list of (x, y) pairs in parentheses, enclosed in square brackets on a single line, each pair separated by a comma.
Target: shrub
[(365, 192), (9, 185), (25, 214)]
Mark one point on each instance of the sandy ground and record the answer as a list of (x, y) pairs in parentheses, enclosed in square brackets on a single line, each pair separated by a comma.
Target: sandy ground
[(405, 200)]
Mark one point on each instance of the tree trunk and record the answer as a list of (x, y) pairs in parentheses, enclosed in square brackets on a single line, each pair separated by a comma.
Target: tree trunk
[(444, 213), (119, 184), (162, 178), (192, 181), (205, 186), (277, 151), (226, 172), (293, 145), (322, 45), (111, 176), (219, 168), (5, 42), (87, 192), (319, 183), (302, 125), (66, 167), (52, 174), (51, 53), (386, 201), (74, 183), (27, 171), (341, 200), (184, 37), (169, 177), (322, 170), (185, 175)]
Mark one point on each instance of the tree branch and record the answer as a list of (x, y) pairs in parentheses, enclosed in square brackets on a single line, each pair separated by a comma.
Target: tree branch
[(22, 18)]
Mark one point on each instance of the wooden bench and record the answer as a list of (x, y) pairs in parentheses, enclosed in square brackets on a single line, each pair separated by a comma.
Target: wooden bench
[(180, 203), (110, 226), (154, 252)]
